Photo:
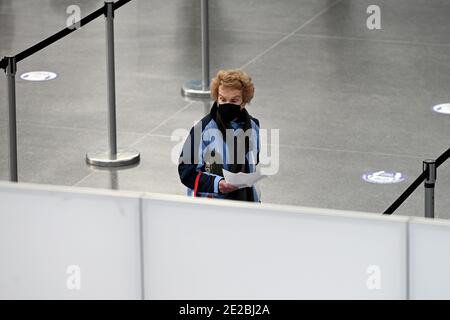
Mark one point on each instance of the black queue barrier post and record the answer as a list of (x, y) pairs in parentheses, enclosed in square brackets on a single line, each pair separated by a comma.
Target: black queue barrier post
[(429, 167), (112, 157), (428, 176), (9, 65), (200, 88), (11, 69)]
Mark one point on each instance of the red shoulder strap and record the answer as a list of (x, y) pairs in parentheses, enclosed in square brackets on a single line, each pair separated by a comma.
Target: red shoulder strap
[(197, 178)]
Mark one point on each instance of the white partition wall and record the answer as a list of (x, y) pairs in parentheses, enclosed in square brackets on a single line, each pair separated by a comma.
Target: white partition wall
[(82, 243), (429, 258), (68, 243), (212, 249)]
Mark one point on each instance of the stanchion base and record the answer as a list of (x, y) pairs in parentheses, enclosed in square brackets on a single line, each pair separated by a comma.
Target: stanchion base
[(124, 157), (193, 88)]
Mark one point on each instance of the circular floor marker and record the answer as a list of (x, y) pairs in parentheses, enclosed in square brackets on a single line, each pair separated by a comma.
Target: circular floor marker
[(384, 177), (38, 76), (442, 108)]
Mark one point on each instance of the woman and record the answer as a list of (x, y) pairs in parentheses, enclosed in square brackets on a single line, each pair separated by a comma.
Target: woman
[(226, 138)]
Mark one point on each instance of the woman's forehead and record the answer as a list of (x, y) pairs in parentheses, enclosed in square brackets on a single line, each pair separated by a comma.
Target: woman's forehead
[(225, 91)]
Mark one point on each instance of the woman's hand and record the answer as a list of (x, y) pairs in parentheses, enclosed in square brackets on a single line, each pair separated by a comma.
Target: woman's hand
[(225, 187)]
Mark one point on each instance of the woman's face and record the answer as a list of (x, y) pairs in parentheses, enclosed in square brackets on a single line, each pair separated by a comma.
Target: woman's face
[(230, 95)]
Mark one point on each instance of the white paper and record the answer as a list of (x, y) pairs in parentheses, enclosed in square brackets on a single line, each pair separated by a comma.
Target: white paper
[(241, 179)]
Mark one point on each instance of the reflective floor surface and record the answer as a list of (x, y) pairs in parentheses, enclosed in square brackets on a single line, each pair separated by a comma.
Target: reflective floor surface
[(346, 99)]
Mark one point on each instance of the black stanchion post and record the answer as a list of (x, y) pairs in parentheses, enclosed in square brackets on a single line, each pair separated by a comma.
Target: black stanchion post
[(429, 167), (11, 69), (112, 158), (200, 88)]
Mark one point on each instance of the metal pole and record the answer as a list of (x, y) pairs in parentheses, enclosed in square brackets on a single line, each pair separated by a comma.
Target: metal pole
[(430, 167), (11, 74), (114, 177), (200, 88), (112, 157), (205, 45), (111, 78)]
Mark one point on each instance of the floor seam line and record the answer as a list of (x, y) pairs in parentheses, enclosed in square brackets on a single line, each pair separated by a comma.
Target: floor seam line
[(291, 33)]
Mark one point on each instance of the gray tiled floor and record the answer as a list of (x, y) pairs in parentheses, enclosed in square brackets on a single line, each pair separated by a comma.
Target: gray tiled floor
[(347, 100)]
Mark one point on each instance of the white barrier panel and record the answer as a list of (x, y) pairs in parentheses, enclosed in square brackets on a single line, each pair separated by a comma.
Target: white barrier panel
[(213, 249), (68, 243), (429, 258)]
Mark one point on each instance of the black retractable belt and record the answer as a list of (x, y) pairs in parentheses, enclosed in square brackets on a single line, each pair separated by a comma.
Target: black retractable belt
[(429, 176)]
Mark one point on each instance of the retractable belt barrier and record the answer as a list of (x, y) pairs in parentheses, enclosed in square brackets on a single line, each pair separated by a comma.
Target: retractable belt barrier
[(429, 176), (110, 158)]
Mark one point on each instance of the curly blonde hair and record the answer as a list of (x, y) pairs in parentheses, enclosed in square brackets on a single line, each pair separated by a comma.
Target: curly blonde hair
[(235, 79)]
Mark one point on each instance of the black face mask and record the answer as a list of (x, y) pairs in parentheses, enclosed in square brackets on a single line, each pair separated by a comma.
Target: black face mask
[(228, 111)]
